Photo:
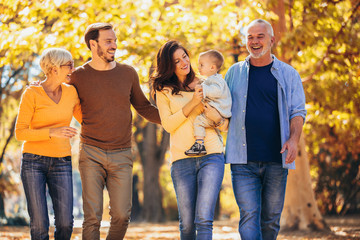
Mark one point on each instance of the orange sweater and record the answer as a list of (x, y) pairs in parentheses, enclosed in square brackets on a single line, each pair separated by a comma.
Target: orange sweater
[(38, 113)]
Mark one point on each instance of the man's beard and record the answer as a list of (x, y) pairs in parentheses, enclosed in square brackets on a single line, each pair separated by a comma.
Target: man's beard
[(102, 55), (260, 54)]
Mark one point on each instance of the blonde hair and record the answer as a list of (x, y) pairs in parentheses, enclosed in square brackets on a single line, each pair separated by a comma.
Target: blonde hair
[(54, 57)]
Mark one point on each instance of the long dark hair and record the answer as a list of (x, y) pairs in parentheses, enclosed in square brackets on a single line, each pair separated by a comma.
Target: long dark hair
[(164, 74)]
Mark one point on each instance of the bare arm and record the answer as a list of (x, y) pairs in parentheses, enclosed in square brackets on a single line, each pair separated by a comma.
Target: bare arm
[(296, 124)]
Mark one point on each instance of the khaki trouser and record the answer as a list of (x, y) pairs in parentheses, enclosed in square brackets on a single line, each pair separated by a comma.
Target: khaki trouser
[(201, 122), (113, 169)]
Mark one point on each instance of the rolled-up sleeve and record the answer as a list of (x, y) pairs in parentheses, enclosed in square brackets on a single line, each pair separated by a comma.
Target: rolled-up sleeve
[(297, 107)]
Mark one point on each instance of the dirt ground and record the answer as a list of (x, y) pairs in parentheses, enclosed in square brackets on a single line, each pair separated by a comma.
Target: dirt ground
[(341, 228)]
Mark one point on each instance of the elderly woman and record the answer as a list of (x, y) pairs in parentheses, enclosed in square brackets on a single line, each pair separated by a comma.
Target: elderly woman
[(197, 180), (43, 124)]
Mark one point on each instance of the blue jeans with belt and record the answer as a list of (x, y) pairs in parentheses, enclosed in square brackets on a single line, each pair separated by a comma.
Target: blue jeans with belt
[(37, 172), (197, 183), (259, 189)]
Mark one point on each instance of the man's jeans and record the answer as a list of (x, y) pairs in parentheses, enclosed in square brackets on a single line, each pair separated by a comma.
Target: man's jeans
[(113, 169), (197, 183), (37, 172), (259, 190)]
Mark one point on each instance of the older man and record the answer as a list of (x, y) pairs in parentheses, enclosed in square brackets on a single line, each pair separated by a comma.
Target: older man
[(268, 113)]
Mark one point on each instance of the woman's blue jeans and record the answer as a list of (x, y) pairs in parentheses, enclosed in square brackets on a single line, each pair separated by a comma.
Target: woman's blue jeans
[(37, 172), (259, 189), (197, 183)]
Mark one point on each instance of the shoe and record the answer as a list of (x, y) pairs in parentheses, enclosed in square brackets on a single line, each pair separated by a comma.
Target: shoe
[(196, 150)]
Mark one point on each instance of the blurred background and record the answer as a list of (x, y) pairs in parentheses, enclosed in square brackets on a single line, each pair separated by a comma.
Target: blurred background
[(319, 38)]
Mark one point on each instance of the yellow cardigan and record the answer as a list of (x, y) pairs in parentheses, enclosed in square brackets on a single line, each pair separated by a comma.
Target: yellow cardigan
[(38, 113), (181, 128)]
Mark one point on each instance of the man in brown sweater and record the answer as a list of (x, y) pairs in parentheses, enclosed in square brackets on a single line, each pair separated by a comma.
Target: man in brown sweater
[(106, 90)]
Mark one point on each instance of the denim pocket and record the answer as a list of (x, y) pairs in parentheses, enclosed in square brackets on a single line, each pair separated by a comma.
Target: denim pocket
[(30, 157), (65, 159)]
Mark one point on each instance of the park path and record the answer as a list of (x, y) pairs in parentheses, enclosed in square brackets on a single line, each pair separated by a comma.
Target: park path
[(341, 228)]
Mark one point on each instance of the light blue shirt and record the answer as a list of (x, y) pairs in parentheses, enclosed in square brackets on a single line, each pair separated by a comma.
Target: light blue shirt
[(291, 103)]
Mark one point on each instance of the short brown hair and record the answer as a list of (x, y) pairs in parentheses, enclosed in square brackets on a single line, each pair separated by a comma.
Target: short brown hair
[(92, 31), (216, 56)]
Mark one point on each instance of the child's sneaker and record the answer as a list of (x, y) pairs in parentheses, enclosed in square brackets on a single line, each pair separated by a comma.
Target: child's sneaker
[(196, 149)]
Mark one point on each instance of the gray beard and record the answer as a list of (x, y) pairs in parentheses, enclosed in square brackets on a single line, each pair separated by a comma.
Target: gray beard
[(258, 55)]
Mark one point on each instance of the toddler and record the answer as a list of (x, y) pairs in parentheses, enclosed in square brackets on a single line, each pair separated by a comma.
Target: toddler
[(216, 94)]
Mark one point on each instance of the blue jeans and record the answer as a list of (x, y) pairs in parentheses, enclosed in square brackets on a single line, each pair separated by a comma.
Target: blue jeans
[(37, 172), (259, 189), (197, 183)]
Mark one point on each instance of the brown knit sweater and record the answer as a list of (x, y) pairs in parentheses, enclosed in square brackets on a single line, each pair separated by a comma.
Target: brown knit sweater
[(106, 97)]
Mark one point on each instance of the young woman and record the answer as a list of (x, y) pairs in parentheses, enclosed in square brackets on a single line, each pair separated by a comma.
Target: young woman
[(43, 124), (197, 180)]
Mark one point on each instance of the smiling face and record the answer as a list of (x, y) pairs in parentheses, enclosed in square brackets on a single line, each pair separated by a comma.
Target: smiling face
[(106, 45), (182, 64), (65, 71), (259, 42)]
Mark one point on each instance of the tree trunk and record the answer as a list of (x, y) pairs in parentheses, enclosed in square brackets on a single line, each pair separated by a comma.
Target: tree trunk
[(2, 154), (279, 26), (301, 211), (152, 154), (152, 207), (2, 206), (136, 207)]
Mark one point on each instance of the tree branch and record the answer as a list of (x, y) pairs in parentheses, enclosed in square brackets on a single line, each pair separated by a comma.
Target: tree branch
[(164, 144), (8, 139), (343, 25)]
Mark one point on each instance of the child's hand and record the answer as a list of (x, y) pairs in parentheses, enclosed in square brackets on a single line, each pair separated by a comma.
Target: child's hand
[(198, 87)]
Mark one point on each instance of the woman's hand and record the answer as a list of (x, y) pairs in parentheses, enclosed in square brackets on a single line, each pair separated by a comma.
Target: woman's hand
[(198, 95), (63, 132), (35, 83), (194, 102)]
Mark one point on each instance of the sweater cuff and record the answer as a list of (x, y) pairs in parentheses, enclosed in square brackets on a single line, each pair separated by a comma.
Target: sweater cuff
[(44, 133)]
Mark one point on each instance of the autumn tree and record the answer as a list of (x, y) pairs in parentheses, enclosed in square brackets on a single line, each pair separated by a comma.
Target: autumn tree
[(318, 37), (312, 36)]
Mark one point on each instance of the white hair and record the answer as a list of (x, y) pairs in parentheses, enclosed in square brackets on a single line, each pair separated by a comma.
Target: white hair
[(54, 57), (267, 24)]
